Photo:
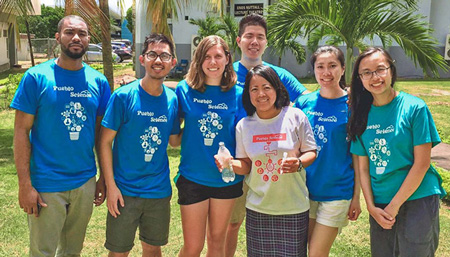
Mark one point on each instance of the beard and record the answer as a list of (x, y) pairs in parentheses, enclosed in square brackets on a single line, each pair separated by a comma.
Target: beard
[(73, 55)]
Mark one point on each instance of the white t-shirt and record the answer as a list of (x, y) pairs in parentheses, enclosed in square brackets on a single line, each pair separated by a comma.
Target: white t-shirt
[(264, 141)]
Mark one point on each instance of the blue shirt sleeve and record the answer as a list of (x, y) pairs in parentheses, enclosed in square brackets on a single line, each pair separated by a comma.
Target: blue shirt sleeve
[(424, 129), (26, 97), (358, 148), (106, 94), (114, 115)]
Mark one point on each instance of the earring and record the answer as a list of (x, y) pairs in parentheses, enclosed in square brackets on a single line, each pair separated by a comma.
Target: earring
[(225, 74)]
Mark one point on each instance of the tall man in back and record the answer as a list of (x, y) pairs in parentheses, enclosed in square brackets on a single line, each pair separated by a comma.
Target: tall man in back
[(252, 40), (59, 105)]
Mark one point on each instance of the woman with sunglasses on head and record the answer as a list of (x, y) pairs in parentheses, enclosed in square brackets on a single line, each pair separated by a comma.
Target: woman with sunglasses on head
[(273, 144), (392, 133), (210, 105), (332, 182)]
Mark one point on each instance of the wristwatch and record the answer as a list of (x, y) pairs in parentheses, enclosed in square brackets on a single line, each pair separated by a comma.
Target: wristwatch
[(300, 165)]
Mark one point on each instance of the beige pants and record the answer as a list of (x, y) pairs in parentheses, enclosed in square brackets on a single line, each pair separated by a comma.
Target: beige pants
[(61, 226)]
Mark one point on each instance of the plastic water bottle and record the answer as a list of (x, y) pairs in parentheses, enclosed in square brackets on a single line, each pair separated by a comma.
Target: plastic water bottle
[(227, 171)]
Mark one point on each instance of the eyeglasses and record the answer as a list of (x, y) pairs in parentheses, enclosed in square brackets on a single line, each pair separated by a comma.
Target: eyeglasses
[(165, 57), (366, 75)]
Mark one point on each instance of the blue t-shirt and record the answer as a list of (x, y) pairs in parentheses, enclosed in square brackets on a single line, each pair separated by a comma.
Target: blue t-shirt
[(65, 105), (331, 176), (389, 139), (143, 123), (209, 118), (293, 86)]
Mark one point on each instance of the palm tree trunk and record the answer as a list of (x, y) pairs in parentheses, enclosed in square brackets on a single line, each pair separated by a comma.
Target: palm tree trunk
[(106, 46), (29, 41), (348, 65), (279, 61)]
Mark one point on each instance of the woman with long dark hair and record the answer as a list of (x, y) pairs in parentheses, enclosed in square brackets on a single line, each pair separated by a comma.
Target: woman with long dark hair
[(392, 133), (333, 184)]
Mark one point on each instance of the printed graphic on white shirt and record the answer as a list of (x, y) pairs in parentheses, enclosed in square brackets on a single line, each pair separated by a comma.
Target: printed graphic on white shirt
[(269, 167), (73, 118), (210, 124), (150, 141), (320, 134), (379, 154)]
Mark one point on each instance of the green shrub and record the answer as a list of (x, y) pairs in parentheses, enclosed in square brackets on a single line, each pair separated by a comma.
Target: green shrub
[(8, 88), (445, 183)]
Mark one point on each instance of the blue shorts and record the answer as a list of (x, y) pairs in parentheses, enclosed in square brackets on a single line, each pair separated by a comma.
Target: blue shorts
[(415, 232)]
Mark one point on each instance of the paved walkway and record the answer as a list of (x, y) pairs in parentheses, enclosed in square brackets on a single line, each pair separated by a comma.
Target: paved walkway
[(440, 154)]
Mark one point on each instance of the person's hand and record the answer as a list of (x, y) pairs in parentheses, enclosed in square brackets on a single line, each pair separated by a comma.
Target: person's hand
[(290, 165), (384, 219), (354, 210), (391, 210), (30, 200), (113, 199), (100, 191), (221, 165)]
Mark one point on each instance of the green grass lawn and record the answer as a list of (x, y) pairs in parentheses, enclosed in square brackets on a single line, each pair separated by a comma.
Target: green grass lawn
[(353, 241)]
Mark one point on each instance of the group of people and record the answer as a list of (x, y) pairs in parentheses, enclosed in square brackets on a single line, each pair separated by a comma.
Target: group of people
[(301, 158)]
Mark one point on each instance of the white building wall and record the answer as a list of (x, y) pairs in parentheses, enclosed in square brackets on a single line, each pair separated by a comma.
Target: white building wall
[(3, 45)]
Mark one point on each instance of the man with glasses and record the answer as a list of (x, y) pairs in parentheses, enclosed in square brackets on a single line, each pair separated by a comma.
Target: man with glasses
[(59, 105), (140, 120)]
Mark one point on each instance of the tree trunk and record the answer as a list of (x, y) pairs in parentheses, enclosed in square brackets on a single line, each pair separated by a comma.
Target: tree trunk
[(279, 61), (348, 65), (106, 46), (29, 41)]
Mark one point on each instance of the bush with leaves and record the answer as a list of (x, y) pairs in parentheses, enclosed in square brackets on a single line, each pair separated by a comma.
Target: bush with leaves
[(8, 89)]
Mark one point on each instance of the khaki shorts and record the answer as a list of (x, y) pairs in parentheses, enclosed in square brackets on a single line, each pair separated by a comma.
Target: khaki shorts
[(238, 214), (152, 216), (331, 214)]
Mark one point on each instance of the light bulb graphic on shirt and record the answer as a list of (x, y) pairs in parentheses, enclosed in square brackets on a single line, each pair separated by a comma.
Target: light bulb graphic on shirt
[(73, 118), (150, 141), (320, 134), (209, 126), (379, 154)]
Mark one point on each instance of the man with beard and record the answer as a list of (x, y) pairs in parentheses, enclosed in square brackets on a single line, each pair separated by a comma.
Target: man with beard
[(141, 119), (59, 105)]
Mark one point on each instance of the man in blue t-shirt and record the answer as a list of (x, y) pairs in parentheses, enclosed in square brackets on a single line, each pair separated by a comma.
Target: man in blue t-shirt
[(59, 105), (252, 41), (140, 120)]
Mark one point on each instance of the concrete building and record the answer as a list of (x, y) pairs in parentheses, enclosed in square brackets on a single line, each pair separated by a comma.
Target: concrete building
[(8, 40), (435, 11)]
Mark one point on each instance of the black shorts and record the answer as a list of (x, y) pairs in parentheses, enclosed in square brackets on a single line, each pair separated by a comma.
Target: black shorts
[(190, 192)]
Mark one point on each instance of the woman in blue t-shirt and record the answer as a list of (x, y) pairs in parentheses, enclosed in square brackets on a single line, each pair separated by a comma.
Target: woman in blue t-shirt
[(392, 133), (210, 105), (333, 184)]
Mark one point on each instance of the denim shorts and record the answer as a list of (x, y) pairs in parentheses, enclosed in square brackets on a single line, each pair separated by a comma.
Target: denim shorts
[(415, 232), (190, 192)]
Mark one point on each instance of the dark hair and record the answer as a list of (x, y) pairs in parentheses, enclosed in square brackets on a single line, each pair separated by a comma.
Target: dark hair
[(271, 76), (74, 17), (156, 38), (195, 77), (252, 19), (361, 99), (339, 55)]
